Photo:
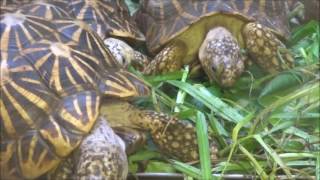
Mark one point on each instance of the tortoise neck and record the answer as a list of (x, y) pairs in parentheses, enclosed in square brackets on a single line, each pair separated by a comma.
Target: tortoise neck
[(121, 113)]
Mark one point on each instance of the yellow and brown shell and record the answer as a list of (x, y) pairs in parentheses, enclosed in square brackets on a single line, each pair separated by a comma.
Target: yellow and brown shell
[(163, 21), (50, 93), (107, 18)]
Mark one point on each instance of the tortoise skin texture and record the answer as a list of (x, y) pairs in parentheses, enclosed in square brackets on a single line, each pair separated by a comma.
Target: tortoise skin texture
[(169, 24), (53, 74)]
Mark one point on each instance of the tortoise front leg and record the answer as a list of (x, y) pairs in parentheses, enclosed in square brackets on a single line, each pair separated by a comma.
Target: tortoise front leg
[(174, 137), (133, 138), (168, 60), (266, 49)]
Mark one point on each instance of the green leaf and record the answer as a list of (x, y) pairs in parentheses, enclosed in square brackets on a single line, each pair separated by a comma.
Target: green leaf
[(318, 166), (186, 168), (301, 92), (293, 146), (300, 133), (256, 164), (238, 166), (217, 126), (300, 164), (282, 81), (203, 142), (296, 156), (168, 76), (144, 155), (274, 155), (181, 94), (158, 166), (212, 102), (235, 133), (303, 31)]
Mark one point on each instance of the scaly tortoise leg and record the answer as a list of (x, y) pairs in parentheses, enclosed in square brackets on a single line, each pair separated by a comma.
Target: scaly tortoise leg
[(174, 137), (167, 60), (133, 138), (266, 49)]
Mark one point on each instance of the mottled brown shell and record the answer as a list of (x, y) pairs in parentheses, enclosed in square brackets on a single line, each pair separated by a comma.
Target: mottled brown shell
[(53, 75), (163, 21), (107, 18)]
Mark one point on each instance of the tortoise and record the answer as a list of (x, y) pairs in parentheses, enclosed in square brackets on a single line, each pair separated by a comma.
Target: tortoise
[(123, 53), (112, 21), (214, 32), (56, 78)]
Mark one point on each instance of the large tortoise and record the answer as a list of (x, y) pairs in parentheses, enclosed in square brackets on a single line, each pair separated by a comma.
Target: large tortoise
[(109, 19), (88, 11), (215, 31), (56, 77)]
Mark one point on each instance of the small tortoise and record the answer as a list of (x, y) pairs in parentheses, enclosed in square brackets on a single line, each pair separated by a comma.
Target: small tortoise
[(56, 78), (214, 31), (112, 21)]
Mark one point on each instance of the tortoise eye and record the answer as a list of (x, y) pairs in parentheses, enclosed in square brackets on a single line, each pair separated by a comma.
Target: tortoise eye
[(213, 69)]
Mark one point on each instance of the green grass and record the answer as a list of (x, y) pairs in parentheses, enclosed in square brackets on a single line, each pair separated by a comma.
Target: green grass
[(267, 125)]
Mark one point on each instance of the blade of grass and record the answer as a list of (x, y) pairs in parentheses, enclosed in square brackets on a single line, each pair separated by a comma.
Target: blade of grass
[(318, 166), (303, 31), (164, 77), (204, 153), (302, 134), (274, 155), (215, 104), (301, 163), (297, 155), (305, 90), (181, 94), (293, 115), (255, 163), (186, 169), (237, 166), (218, 128), (235, 133)]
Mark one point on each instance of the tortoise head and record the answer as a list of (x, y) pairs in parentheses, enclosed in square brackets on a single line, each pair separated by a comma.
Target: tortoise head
[(220, 57)]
